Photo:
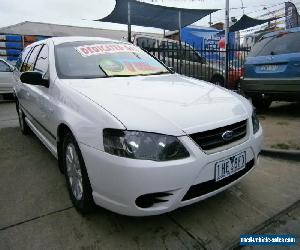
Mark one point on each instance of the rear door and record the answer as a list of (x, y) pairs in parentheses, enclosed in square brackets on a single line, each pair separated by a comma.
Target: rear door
[(276, 57)]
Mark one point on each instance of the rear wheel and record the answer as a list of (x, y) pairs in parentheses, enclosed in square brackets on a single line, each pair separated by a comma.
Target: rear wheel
[(218, 80), (261, 102), (77, 180)]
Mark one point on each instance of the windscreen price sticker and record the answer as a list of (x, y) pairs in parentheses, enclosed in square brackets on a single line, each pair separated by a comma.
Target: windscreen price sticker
[(101, 49)]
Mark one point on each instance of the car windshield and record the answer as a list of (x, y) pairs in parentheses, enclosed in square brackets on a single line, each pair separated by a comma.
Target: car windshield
[(282, 43), (96, 59)]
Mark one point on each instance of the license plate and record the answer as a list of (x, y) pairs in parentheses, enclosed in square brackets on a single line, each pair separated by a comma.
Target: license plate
[(230, 166), (269, 67)]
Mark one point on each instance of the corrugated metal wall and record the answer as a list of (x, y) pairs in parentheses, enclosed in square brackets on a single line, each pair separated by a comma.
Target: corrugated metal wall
[(11, 46)]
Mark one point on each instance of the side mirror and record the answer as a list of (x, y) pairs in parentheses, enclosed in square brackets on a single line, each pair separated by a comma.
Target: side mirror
[(34, 78), (12, 68)]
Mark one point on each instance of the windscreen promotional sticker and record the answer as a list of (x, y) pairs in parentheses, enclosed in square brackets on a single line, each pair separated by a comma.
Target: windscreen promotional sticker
[(125, 67), (101, 49)]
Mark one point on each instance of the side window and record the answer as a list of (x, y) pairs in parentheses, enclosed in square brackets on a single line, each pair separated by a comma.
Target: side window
[(145, 42), (41, 64), (195, 57), (19, 62), (33, 56), (4, 67), (21, 66), (189, 54), (169, 49), (29, 64)]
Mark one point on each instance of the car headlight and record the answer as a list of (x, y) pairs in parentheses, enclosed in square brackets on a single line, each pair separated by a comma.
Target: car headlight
[(255, 122), (143, 145)]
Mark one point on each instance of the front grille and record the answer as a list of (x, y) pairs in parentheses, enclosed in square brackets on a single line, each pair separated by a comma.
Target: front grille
[(213, 138), (210, 186)]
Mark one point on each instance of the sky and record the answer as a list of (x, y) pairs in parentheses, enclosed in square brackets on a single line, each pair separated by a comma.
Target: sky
[(81, 13)]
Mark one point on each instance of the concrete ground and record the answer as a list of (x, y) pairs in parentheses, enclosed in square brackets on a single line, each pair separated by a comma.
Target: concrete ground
[(281, 125), (36, 213), (8, 114)]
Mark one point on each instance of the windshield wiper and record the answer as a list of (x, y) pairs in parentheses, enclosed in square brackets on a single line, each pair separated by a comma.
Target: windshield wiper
[(159, 73)]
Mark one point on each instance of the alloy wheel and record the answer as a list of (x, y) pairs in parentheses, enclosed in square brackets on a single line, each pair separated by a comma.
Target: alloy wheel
[(74, 171)]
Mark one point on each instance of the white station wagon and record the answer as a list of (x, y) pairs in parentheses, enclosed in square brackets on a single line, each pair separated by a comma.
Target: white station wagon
[(129, 134)]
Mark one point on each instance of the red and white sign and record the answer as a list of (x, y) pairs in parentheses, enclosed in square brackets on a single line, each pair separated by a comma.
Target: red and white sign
[(100, 49)]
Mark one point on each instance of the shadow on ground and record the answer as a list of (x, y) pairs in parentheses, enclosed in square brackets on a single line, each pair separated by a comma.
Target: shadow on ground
[(283, 109)]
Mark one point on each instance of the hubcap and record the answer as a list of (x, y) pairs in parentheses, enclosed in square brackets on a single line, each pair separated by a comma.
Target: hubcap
[(74, 171)]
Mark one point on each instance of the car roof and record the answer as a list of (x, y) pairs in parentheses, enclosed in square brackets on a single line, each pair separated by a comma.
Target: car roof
[(60, 40), (161, 39), (292, 30)]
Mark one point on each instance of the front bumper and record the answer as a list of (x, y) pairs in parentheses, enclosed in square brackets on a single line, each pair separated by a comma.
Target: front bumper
[(289, 86), (117, 182)]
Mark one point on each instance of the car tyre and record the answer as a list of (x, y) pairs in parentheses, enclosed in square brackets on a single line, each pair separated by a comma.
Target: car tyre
[(218, 80), (261, 103), (25, 129), (76, 175), (8, 97)]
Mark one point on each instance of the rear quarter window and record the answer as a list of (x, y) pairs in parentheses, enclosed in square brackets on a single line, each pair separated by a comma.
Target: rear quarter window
[(277, 45)]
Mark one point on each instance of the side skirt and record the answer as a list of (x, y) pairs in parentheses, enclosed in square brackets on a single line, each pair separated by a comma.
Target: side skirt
[(52, 148)]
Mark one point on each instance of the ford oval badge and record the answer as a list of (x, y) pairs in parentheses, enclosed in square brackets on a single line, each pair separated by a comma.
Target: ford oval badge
[(227, 135)]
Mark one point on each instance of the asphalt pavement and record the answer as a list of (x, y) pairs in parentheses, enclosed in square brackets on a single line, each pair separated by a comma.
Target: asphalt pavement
[(36, 213)]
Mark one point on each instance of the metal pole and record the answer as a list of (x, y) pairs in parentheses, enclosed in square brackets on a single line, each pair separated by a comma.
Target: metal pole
[(179, 25), (243, 8), (129, 23), (210, 20), (180, 47), (226, 41)]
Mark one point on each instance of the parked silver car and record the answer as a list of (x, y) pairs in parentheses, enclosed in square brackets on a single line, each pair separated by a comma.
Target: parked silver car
[(6, 79), (183, 59)]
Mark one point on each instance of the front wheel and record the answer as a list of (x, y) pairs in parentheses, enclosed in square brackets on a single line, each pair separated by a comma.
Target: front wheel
[(77, 180), (261, 103)]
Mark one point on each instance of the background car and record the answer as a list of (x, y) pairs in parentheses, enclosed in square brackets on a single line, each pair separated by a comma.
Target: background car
[(235, 72), (183, 59), (272, 69), (6, 79)]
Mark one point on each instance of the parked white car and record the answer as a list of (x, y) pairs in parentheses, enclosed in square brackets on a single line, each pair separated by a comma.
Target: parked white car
[(130, 135), (6, 79)]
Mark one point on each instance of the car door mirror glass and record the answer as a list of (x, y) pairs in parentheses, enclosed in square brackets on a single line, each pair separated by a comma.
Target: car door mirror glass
[(34, 78)]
